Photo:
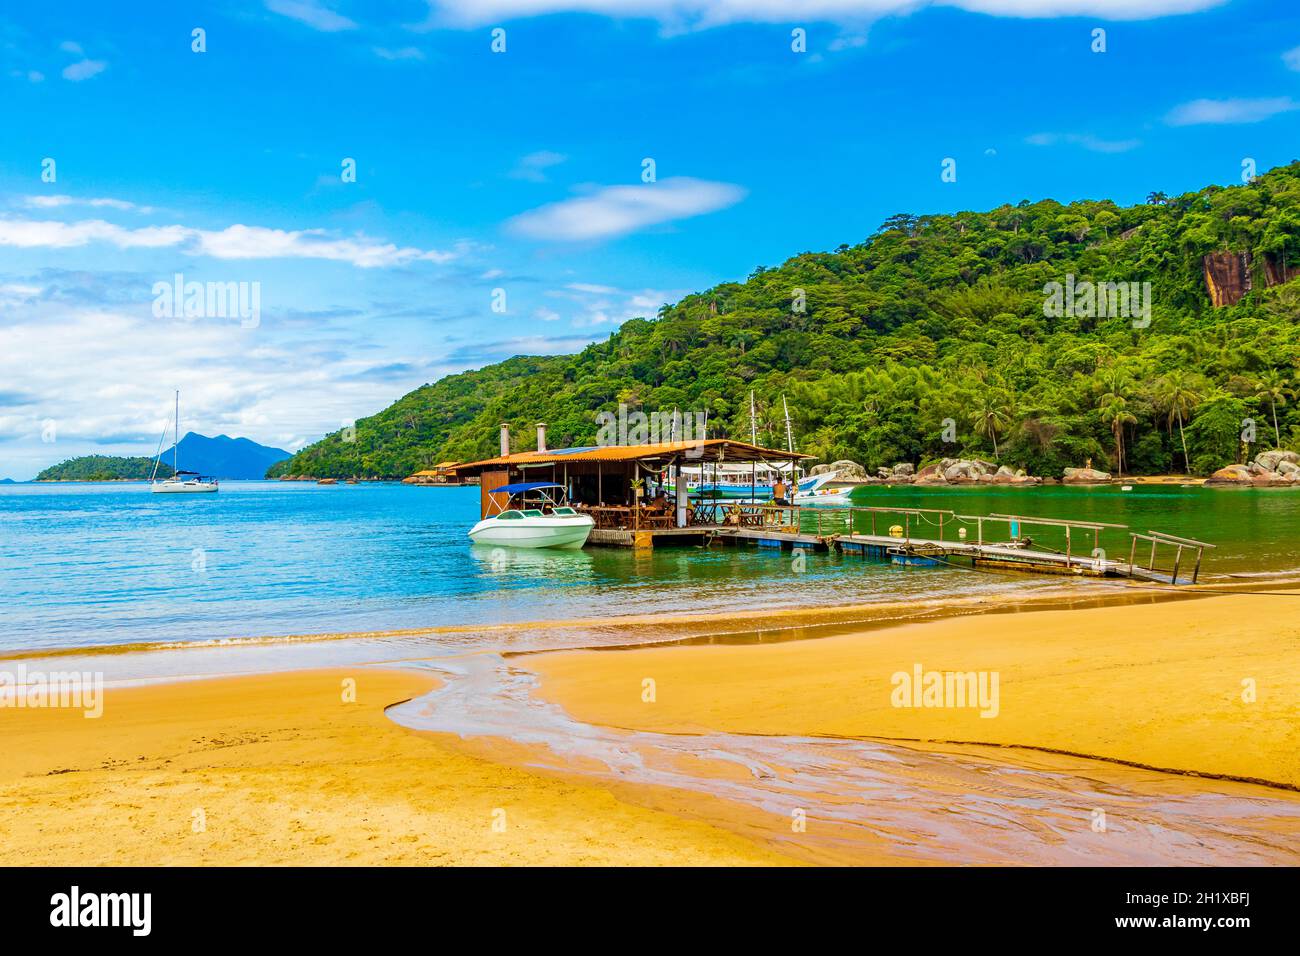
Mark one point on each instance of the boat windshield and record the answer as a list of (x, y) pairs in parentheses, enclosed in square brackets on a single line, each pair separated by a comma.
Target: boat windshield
[(533, 500)]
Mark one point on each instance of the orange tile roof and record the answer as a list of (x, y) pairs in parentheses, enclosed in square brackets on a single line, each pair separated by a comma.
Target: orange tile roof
[(725, 450)]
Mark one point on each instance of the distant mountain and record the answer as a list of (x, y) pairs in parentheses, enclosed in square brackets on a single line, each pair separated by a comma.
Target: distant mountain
[(103, 468), (226, 457), (7, 481), (221, 457)]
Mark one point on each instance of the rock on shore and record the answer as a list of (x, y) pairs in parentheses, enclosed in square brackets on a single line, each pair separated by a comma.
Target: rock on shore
[(1085, 476), (1270, 469)]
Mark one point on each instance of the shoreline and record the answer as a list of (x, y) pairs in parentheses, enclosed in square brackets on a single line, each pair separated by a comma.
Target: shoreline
[(664, 628)]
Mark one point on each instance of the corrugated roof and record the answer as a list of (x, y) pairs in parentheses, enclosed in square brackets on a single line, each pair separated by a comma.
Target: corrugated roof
[(714, 449)]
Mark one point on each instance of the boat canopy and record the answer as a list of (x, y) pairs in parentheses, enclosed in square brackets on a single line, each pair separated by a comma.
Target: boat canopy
[(520, 487)]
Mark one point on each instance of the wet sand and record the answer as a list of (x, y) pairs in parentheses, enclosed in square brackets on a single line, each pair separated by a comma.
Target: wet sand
[(1156, 685), (281, 770), (1119, 736), (1122, 735)]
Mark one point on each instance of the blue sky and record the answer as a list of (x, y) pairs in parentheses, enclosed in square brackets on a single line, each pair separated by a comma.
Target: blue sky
[(522, 171)]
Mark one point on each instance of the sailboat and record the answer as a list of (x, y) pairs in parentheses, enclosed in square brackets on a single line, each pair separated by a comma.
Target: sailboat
[(181, 482), (758, 482)]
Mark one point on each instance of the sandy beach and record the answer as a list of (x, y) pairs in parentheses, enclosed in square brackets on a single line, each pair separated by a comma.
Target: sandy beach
[(290, 768), (278, 769), (1162, 686)]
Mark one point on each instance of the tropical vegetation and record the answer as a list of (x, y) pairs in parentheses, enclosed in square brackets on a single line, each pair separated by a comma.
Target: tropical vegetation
[(933, 338)]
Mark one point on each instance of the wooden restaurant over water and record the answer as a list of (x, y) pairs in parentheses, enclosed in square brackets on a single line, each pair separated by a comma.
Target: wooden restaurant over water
[(638, 494)]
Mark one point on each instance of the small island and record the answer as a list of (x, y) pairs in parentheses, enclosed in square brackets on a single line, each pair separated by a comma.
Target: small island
[(104, 468)]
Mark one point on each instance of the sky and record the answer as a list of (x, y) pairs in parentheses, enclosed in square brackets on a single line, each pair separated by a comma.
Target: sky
[(410, 188)]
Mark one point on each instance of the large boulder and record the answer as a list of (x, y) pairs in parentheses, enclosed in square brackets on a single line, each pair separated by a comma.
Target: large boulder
[(1272, 460), (1085, 476), (904, 469), (847, 470), (1231, 475)]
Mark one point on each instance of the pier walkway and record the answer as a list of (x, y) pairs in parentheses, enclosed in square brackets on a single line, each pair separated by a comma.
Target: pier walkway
[(934, 537)]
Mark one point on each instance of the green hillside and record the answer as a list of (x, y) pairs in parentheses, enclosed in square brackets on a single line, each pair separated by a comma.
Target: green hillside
[(103, 468), (934, 329)]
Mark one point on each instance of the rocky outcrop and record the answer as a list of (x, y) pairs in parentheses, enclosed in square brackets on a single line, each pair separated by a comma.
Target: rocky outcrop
[(1269, 469), (959, 471), (1085, 476), (1227, 277), (847, 470)]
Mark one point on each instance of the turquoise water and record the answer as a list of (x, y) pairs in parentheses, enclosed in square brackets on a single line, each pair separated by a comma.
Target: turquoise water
[(94, 564)]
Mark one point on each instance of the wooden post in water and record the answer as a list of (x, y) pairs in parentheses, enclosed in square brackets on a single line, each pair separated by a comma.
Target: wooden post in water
[(1178, 558), (1132, 553)]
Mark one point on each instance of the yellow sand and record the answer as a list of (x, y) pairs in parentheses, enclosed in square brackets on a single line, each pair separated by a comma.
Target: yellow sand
[(1158, 685), (280, 770)]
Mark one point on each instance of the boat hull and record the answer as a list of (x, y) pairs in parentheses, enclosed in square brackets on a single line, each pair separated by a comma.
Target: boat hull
[(183, 487), (568, 533)]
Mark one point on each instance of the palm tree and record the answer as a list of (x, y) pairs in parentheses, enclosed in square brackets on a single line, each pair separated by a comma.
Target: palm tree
[(1114, 411), (1177, 396), (994, 411), (1274, 388)]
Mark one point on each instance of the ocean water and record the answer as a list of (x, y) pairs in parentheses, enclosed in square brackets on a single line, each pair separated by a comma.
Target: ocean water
[(85, 565)]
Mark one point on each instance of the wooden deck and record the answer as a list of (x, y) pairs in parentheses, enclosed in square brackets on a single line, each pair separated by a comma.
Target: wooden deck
[(787, 528)]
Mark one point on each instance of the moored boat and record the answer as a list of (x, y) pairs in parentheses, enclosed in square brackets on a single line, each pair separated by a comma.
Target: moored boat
[(180, 482), (535, 514)]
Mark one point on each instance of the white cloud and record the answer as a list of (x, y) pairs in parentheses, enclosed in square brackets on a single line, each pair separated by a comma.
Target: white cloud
[(1200, 112), (233, 242), (55, 201), (404, 53), (542, 313), (533, 166), (590, 305), (84, 70), (1292, 59), (104, 377), (313, 13), (1085, 140), (71, 46), (697, 14), (617, 210)]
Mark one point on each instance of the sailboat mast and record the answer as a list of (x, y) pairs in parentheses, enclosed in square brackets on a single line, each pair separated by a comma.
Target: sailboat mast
[(789, 432), (176, 435), (753, 422)]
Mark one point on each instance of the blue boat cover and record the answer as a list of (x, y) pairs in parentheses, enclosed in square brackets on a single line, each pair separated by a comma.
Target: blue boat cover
[(523, 486)]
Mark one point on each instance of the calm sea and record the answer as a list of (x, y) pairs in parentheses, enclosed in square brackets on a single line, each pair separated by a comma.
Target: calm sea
[(95, 564)]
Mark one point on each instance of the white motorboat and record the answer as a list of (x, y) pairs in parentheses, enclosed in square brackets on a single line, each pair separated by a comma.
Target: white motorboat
[(818, 494), (532, 514), (181, 482)]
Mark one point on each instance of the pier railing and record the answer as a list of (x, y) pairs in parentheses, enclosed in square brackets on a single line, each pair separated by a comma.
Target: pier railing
[(1180, 544)]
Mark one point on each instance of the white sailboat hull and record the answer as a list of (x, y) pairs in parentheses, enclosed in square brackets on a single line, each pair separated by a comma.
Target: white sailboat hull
[(182, 487), (548, 531)]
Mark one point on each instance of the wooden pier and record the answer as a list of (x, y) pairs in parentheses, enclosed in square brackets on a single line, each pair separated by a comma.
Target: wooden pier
[(991, 542)]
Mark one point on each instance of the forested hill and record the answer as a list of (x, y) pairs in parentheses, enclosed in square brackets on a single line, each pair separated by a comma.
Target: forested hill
[(103, 468), (935, 318)]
